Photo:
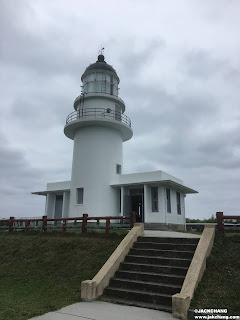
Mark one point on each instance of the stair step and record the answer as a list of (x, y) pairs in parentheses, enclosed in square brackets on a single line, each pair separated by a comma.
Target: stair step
[(145, 286), (153, 268), (163, 253), (158, 260), (137, 295), (137, 304), (169, 240), (150, 277), (165, 246), (152, 272)]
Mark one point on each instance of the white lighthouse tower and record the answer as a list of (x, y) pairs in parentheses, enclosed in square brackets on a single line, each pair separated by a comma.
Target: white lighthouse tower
[(98, 127)]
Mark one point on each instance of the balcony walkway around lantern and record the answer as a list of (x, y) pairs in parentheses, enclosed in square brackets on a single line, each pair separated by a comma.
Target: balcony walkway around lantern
[(98, 116), (98, 113)]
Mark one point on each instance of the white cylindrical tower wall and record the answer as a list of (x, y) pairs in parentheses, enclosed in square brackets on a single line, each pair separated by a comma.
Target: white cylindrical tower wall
[(98, 128), (97, 152)]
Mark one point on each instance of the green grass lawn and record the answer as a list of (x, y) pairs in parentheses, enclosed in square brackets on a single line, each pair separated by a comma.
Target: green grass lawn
[(220, 285), (42, 272)]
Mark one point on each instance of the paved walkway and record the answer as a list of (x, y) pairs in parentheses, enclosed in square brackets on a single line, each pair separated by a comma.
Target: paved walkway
[(99, 310), (170, 234)]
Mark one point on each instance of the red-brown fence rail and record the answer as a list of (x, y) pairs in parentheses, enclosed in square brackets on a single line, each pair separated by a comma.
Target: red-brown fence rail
[(221, 218), (45, 224)]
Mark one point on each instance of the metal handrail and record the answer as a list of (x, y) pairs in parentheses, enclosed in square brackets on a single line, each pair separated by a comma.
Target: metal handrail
[(98, 113)]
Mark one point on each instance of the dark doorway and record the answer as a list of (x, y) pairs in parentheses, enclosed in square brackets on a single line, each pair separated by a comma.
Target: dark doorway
[(137, 206), (134, 202)]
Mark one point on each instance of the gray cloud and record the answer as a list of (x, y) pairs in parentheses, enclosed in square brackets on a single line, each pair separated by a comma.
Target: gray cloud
[(179, 78)]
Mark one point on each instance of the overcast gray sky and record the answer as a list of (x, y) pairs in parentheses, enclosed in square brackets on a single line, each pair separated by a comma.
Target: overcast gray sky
[(179, 67)]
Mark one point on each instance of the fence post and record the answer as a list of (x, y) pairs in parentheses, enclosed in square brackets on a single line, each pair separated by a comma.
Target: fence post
[(84, 223), (132, 219), (64, 225), (27, 224), (10, 225), (44, 223), (107, 225), (220, 224)]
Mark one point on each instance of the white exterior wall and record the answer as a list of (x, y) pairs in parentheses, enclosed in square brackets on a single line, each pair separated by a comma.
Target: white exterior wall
[(95, 191), (144, 177), (147, 202), (54, 189), (61, 186), (174, 217), (100, 102), (96, 152), (162, 204), (66, 200), (162, 216), (50, 205)]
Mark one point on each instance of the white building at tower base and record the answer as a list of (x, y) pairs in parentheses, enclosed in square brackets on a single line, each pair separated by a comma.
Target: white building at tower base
[(99, 127)]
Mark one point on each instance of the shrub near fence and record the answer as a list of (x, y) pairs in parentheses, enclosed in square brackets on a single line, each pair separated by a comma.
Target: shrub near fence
[(45, 224)]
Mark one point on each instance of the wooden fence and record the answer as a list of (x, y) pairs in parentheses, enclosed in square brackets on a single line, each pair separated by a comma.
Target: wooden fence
[(45, 224), (221, 218)]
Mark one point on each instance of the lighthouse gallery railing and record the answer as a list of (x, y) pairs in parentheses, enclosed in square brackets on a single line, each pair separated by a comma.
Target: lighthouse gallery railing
[(98, 113)]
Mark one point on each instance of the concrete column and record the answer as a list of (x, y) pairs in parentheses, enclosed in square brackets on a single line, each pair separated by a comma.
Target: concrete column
[(122, 197), (146, 203), (50, 205), (165, 205), (66, 198)]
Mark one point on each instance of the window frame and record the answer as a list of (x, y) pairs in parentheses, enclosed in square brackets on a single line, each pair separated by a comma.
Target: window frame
[(168, 197), (178, 200), (154, 199), (79, 199), (118, 168)]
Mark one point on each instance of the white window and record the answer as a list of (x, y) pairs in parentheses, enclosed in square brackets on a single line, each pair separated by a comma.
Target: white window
[(154, 196), (79, 195), (178, 202), (168, 195), (118, 169)]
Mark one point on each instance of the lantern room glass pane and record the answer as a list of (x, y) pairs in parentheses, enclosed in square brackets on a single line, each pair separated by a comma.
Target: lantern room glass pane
[(91, 86), (91, 77), (99, 76)]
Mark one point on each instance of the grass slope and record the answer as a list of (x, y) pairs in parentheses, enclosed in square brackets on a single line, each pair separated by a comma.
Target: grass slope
[(219, 287), (41, 272)]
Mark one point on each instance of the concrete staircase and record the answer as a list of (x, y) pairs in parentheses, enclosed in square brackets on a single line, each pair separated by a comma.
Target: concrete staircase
[(152, 272), (164, 227)]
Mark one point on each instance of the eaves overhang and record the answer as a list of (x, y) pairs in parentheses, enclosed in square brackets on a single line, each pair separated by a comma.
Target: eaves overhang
[(165, 183), (45, 192)]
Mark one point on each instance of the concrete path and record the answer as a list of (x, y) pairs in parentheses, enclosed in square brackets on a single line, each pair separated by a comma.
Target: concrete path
[(170, 234), (99, 310)]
